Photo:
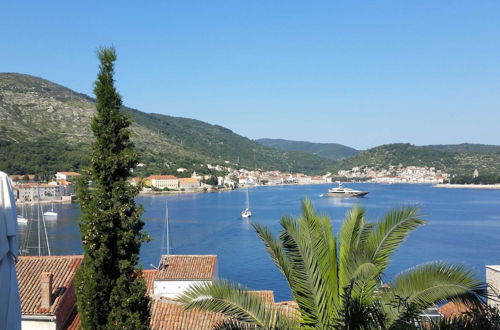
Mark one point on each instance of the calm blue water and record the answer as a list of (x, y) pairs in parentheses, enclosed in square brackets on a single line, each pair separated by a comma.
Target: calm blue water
[(463, 226)]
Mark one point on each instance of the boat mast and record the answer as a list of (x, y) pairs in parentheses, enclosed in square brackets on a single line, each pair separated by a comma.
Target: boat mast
[(248, 201), (166, 232), (38, 218), (40, 223)]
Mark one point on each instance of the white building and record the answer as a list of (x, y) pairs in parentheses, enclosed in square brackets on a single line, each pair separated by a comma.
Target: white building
[(66, 175), (177, 272), (164, 181), (493, 281), (189, 183), (29, 192)]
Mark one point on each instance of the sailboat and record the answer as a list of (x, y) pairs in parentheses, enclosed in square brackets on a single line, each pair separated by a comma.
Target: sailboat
[(50, 215), (246, 212), (21, 220)]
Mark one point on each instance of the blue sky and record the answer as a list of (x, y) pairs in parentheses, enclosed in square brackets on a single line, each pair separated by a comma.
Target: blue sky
[(360, 73)]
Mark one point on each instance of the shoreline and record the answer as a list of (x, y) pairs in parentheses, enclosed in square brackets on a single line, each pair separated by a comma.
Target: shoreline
[(468, 186), (56, 201)]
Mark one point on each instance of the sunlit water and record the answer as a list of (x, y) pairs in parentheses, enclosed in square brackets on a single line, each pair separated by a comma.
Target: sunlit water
[(463, 226)]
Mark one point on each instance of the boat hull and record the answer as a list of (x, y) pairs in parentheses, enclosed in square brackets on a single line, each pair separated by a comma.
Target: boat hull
[(346, 195)]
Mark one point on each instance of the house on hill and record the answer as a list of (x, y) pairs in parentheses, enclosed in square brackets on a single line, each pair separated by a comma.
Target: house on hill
[(68, 176)]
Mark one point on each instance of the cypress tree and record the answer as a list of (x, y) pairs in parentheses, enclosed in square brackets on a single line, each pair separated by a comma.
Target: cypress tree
[(111, 292)]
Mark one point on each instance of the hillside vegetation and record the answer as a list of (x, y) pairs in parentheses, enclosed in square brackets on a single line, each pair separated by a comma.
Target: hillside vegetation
[(333, 151), (465, 147), (45, 127), (457, 163)]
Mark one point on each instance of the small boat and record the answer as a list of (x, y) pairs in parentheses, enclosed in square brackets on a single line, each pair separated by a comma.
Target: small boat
[(21, 219), (343, 192), (246, 212), (50, 215)]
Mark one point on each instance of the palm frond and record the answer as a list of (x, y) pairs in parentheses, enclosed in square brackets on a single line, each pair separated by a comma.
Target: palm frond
[(321, 245), (234, 301), (348, 242), (275, 250), (299, 253), (431, 283), (390, 232)]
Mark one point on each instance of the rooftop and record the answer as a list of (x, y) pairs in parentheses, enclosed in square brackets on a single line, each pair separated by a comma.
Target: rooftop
[(167, 314), (29, 269), (187, 267), (161, 177), (494, 267), (187, 180), (68, 173)]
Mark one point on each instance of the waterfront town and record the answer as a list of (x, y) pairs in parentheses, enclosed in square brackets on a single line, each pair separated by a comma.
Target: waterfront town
[(61, 187)]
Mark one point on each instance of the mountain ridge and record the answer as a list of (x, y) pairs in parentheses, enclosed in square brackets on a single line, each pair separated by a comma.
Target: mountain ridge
[(333, 151)]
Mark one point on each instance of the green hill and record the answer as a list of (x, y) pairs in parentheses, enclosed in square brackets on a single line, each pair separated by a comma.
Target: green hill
[(465, 147), (331, 151), (45, 127), (458, 163)]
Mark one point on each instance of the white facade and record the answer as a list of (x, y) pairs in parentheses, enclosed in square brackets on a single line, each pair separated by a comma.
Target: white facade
[(66, 176), (161, 183), (48, 324), (29, 192), (493, 281), (173, 288)]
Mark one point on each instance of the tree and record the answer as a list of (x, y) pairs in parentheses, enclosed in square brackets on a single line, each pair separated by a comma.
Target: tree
[(336, 279), (111, 293)]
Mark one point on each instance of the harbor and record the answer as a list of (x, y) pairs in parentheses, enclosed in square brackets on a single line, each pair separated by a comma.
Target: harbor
[(212, 224)]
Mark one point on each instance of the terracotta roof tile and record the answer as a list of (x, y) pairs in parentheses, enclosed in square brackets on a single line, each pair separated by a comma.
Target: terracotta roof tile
[(187, 267), (189, 180), (29, 269), (149, 275), (161, 177), (68, 173), (452, 309), (167, 314), (266, 295)]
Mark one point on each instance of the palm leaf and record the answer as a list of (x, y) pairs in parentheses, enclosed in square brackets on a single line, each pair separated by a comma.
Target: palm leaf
[(390, 232), (431, 283), (234, 301)]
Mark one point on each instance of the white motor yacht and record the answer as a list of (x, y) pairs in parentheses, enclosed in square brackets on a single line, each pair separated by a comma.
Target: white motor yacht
[(342, 191)]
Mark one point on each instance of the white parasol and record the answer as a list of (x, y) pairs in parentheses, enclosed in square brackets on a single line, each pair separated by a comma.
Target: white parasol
[(10, 309)]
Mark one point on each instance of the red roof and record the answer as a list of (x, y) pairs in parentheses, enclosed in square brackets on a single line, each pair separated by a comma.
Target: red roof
[(171, 315), (149, 275), (453, 309), (187, 267), (63, 269), (69, 173), (161, 177)]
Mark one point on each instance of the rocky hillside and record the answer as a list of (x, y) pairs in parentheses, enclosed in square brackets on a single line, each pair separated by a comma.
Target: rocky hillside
[(46, 127)]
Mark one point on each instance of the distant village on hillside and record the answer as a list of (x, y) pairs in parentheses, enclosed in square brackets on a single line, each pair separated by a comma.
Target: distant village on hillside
[(60, 188)]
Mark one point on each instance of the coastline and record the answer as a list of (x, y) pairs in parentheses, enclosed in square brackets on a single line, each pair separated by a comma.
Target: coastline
[(55, 201), (468, 186)]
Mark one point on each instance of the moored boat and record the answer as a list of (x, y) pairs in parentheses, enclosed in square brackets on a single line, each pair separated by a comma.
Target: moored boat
[(246, 212), (344, 192)]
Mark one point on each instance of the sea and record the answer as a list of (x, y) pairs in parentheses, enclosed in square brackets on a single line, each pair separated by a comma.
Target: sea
[(463, 226)]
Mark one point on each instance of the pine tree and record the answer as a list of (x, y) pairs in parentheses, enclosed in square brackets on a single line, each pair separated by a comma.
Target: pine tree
[(111, 292)]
